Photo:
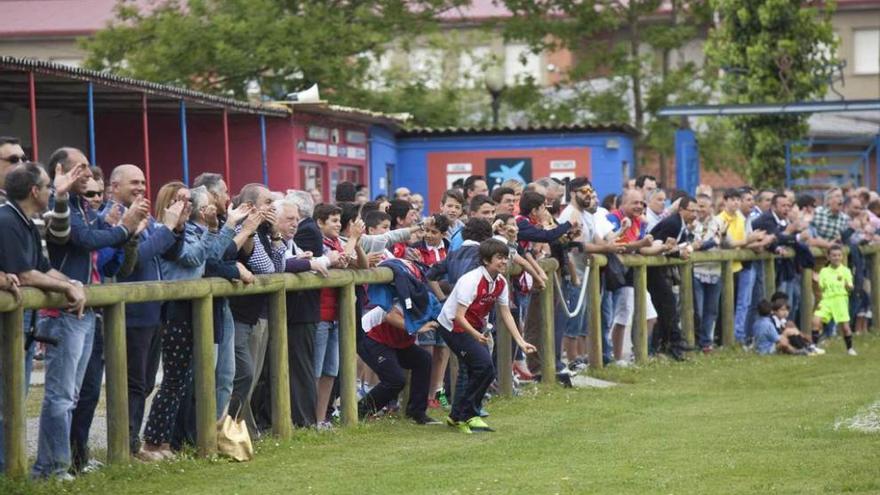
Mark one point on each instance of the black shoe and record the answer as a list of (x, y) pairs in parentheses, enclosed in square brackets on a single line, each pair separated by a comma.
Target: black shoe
[(677, 354), (423, 419), (684, 347)]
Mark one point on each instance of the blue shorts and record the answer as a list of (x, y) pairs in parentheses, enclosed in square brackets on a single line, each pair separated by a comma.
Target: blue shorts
[(431, 337), (327, 349)]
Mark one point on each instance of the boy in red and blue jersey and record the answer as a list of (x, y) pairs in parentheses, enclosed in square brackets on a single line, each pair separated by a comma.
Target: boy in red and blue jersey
[(389, 350), (464, 317)]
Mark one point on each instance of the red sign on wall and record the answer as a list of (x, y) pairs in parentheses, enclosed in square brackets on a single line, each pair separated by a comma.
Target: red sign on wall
[(444, 168)]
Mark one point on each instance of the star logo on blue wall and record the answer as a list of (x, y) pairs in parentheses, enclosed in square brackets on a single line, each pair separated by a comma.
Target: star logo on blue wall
[(501, 169), (511, 172)]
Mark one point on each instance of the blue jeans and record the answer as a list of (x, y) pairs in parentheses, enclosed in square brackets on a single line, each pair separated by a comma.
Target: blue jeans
[(608, 302), (745, 282), (65, 368), (89, 394), (576, 326), (706, 299), (327, 349), (757, 296), (792, 288), (28, 366), (224, 373)]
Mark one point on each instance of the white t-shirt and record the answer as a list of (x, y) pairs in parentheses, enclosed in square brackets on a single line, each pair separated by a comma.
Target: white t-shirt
[(479, 293), (603, 225), (588, 224)]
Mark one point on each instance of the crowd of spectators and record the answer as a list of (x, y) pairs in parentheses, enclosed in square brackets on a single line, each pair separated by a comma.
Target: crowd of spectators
[(66, 226)]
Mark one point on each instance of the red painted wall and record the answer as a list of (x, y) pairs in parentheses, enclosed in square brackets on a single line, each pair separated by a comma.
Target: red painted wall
[(205, 143), (280, 147), (541, 158), (118, 140), (245, 163)]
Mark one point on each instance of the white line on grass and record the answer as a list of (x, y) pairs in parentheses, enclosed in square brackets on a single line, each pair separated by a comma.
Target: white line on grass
[(866, 421)]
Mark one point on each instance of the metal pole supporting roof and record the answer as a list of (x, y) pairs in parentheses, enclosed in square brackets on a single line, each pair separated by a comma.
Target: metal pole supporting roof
[(770, 108)]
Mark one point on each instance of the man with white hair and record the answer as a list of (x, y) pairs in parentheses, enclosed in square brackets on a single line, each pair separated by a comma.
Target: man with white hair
[(402, 193), (303, 316)]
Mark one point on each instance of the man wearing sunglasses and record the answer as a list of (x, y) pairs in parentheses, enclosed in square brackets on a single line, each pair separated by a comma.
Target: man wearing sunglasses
[(11, 154), (66, 361)]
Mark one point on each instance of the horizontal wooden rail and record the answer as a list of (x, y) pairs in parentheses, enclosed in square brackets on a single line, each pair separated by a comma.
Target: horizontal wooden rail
[(114, 297)]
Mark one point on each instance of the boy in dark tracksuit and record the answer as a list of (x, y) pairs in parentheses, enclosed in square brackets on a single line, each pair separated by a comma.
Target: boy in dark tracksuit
[(463, 319)]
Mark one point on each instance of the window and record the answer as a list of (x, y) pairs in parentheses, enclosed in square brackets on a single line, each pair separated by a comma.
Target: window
[(355, 137), (866, 48), (350, 173), (519, 63), (311, 176)]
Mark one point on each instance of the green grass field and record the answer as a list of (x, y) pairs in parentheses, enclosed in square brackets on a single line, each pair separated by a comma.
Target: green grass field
[(729, 423)]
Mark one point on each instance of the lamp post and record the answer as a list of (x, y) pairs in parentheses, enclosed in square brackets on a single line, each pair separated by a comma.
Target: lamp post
[(495, 85)]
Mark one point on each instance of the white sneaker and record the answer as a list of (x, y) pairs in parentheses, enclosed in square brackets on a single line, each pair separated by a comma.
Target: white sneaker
[(622, 363), (817, 350), (852, 352)]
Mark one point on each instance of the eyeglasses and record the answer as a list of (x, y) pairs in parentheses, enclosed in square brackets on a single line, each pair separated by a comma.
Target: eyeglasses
[(13, 159), (93, 194), (585, 190)]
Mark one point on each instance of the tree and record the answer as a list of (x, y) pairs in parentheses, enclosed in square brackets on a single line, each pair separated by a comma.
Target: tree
[(628, 64), (771, 51), (223, 46)]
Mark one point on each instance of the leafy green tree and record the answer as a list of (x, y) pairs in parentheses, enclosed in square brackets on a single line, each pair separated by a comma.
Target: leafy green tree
[(628, 60), (771, 51), (222, 46)]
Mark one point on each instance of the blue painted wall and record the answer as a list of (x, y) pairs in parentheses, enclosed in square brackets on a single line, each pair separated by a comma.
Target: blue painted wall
[(606, 163), (383, 150)]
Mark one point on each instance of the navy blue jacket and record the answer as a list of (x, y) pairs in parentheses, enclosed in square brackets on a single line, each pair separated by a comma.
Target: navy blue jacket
[(155, 241), (456, 264), (88, 233), (304, 306)]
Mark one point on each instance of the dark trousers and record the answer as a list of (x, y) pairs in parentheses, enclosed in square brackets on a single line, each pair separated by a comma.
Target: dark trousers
[(475, 359), (667, 333), (89, 394), (390, 364), (177, 357), (143, 347), (300, 359)]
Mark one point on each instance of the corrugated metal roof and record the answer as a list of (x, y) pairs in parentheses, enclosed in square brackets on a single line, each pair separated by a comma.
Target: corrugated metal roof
[(340, 111), (534, 129), (108, 79)]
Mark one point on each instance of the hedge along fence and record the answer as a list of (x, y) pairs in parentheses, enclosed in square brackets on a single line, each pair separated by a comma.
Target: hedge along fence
[(640, 265), (113, 297)]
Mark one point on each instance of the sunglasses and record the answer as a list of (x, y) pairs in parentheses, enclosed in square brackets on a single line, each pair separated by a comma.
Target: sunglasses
[(13, 159), (585, 190), (93, 194)]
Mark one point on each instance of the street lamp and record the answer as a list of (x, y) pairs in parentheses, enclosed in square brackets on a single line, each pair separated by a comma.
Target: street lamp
[(495, 84)]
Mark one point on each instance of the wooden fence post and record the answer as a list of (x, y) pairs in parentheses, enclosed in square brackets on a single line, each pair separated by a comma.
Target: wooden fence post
[(205, 388), (728, 303), (14, 421), (548, 332), (807, 300), (686, 296), (769, 277), (279, 372), (116, 363), (875, 292), (348, 355), (504, 356), (594, 334), (640, 314)]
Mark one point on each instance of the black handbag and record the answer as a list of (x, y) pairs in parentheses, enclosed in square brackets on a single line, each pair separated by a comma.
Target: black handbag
[(615, 273)]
